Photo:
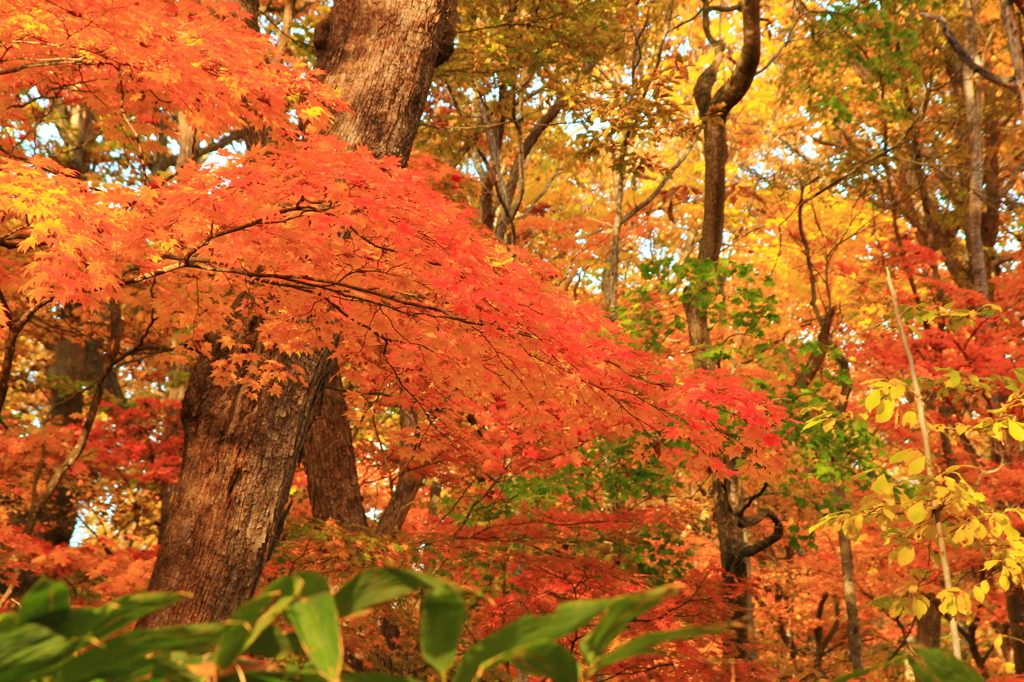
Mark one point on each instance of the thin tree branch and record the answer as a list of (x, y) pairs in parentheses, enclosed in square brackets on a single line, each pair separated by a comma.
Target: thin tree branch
[(966, 58)]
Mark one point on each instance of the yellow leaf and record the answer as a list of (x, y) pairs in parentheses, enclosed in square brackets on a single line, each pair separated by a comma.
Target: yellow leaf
[(882, 486), (916, 466), (871, 402), (1015, 429), (504, 259), (953, 379), (919, 606), (905, 555), (910, 419), (917, 513), (885, 411)]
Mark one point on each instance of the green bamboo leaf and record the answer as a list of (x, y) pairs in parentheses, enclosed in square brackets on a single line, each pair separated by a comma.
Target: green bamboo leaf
[(249, 620), (370, 588), (102, 621), (442, 616), (551, 660), (936, 665), (316, 622), (644, 644), (30, 650), (46, 596), (443, 611), (623, 611), (135, 653), (517, 637)]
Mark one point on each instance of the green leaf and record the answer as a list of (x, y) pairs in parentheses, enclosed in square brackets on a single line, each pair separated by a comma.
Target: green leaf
[(271, 643), (525, 632), (46, 596), (551, 660), (644, 644), (105, 620), (370, 588), (29, 650), (623, 611), (251, 619), (132, 653), (442, 616), (935, 665), (316, 622)]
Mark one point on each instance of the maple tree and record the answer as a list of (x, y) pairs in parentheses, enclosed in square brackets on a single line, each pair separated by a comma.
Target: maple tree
[(599, 300)]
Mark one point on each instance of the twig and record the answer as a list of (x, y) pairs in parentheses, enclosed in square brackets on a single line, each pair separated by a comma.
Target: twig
[(947, 580), (113, 346)]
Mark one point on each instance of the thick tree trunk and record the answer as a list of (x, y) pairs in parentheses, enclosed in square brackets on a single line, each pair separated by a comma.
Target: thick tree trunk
[(380, 56), (330, 461), (226, 513), (228, 509)]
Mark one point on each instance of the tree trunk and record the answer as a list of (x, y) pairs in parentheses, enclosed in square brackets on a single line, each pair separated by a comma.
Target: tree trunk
[(1012, 28), (975, 159), (229, 506), (330, 461), (856, 645), (380, 56), (714, 107), (929, 626), (226, 512), (1015, 614)]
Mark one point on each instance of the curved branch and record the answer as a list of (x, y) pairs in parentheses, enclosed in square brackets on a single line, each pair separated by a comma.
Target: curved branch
[(764, 543), (705, 83), (749, 501), (742, 76), (966, 58)]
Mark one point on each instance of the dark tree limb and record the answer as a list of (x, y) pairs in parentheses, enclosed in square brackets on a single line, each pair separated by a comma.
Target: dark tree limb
[(766, 542), (966, 58)]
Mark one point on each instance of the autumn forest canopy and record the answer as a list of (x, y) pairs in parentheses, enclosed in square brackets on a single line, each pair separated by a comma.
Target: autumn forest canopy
[(532, 301)]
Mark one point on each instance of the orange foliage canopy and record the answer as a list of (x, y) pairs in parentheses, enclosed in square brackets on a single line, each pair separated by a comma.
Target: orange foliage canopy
[(333, 248)]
